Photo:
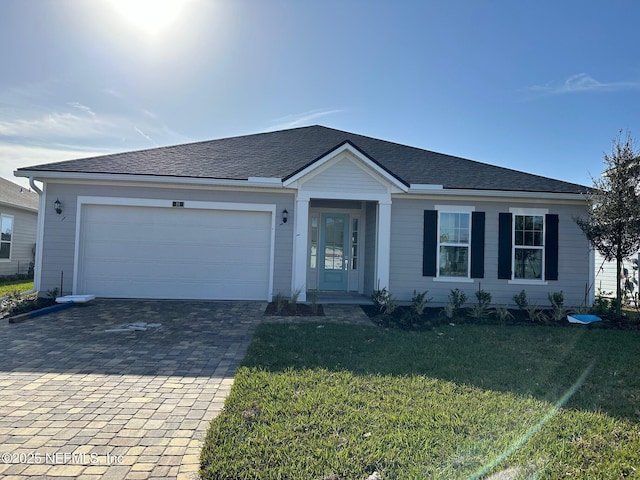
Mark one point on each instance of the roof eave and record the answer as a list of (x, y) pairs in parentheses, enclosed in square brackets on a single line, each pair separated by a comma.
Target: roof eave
[(44, 175)]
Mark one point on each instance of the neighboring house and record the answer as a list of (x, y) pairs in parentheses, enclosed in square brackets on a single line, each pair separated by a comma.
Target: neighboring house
[(18, 220), (308, 208), (606, 275)]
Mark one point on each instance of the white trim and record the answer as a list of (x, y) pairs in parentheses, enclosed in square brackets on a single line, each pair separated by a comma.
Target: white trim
[(465, 209), (524, 281), (454, 208), (528, 211), (531, 212), (454, 279), (368, 197), (318, 165), (159, 179), (464, 192), (300, 246), (271, 180), (37, 270), (417, 187), (10, 242), (383, 245), (591, 295), (144, 202)]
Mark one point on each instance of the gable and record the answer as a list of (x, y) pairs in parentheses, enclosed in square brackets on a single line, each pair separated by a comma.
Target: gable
[(345, 175), (345, 171)]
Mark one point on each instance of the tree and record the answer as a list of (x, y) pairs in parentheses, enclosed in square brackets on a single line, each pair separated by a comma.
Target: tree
[(612, 224)]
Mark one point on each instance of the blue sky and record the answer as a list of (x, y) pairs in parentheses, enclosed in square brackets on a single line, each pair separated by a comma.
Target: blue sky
[(542, 86)]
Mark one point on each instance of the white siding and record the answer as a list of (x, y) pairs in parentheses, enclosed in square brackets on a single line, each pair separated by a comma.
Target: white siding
[(345, 175), (407, 221), (605, 275)]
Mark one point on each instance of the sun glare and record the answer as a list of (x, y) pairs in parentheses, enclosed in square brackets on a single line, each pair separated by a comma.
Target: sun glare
[(149, 16)]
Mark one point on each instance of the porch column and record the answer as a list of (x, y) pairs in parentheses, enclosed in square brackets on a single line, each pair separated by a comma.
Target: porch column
[(383, 245), (301, 229)]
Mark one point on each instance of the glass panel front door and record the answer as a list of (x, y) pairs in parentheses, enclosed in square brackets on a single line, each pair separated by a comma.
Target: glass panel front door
[(334, 251)]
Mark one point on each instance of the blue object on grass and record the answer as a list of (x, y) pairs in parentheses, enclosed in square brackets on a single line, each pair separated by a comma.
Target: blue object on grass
[(583, 319)]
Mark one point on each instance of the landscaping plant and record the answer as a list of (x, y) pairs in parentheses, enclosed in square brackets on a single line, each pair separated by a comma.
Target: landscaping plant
[(481, 308)]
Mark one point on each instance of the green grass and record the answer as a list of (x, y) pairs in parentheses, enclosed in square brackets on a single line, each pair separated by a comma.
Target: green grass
[(19, 286), (340, 402)]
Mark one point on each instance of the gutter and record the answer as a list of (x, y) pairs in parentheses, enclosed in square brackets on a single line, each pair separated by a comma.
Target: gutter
[(36, 189)]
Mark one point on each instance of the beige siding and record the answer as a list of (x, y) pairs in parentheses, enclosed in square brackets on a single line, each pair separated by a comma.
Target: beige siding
[(23, 240), (406, 255), (59, 243)]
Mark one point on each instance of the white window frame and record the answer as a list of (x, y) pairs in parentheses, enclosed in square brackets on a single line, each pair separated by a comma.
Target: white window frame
[(454, 209), (313, 216), (10, 242), (535, 212)]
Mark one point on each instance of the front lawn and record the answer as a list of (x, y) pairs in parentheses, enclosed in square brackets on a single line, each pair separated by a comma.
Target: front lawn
[(18, 286), (332, 402)]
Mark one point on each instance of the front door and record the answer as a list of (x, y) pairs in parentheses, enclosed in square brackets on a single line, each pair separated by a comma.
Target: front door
[(334, 248)]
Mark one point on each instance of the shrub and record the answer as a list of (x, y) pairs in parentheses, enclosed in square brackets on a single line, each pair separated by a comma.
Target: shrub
[(502, 313), (419, 302), (601, 303), (457, 298), (535, 314), (558, 311), (293, 303), (521, 300), (279, 301), (380, 297), (480, 309)]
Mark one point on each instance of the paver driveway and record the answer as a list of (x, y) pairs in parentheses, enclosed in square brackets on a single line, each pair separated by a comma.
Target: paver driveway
[(79, 402)]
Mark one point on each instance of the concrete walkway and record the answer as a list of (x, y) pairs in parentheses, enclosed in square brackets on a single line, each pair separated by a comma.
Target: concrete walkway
[(79, 402)]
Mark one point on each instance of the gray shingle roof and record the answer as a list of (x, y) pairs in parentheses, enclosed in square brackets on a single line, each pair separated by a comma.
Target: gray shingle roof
[(282, 153), (16, 195)]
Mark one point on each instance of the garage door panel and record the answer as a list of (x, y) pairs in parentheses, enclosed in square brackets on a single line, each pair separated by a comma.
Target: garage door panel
[(150, 252)]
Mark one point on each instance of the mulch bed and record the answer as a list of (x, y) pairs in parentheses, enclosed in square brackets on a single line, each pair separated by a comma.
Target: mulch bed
[(301, 310)]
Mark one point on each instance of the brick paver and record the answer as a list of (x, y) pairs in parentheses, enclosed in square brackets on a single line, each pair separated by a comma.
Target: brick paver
[(79, 402)]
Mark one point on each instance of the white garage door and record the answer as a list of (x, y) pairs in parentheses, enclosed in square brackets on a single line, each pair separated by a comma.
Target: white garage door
[(174, 253)]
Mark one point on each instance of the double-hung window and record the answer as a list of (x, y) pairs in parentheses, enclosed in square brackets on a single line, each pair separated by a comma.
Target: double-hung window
[(528, 247), (454, 242), (6, 235)]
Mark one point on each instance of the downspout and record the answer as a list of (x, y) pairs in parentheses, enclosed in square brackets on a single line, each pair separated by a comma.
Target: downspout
[(39, 237)]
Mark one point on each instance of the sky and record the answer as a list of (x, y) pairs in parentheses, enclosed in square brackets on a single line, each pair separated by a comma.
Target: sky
[(539, 86)]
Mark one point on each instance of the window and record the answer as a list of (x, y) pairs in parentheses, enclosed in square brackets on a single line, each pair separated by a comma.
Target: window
[(6, 234), (454, 234), (528, 245), (313, 236)]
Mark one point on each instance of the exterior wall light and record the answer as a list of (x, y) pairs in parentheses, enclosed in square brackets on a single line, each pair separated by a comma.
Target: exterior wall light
[(285, 216), (57, 206)]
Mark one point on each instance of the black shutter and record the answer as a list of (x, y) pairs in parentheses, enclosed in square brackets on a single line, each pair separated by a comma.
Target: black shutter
[(477, 245), (429, 243), (504, 246), (551, 247)]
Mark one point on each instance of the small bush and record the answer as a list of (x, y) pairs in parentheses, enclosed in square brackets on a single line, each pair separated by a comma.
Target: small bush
[(558, 311), (521, 300), (293, 303), (457, 299), (503, 314), (279, 301), (480, 309), (380, 297), (535, 314), (419, 302)]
